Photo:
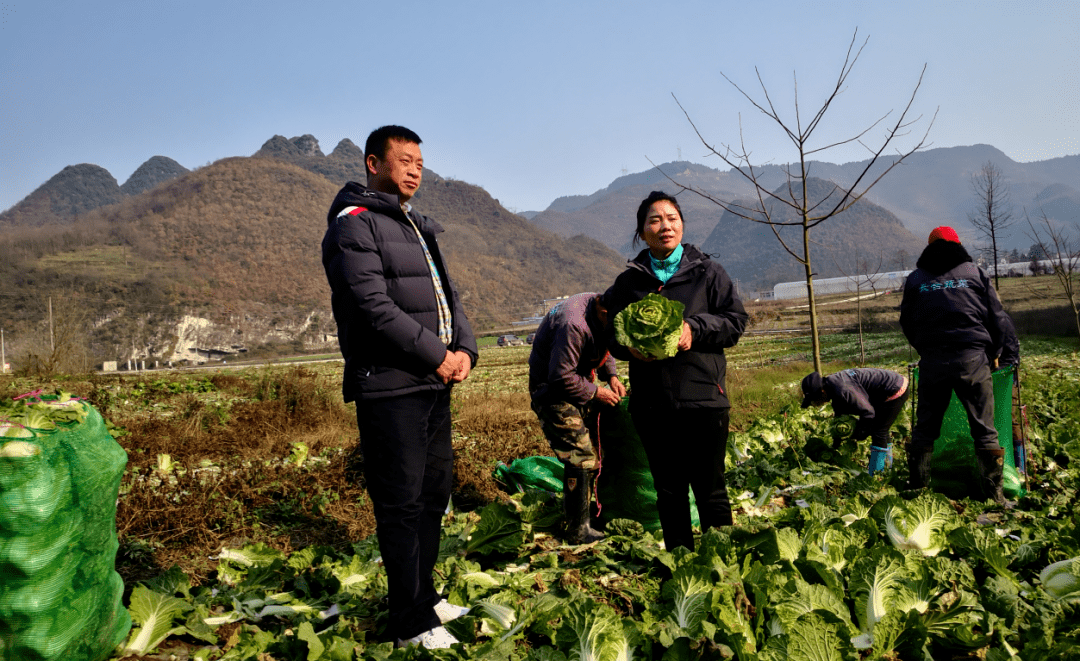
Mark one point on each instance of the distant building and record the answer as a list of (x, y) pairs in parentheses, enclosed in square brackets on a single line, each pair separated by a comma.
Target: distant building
[(893, 280), (549, 303), (846, 284)]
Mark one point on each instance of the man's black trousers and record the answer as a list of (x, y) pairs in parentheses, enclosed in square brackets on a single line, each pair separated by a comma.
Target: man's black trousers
[(686, 450), (409, 469), (970, 378)]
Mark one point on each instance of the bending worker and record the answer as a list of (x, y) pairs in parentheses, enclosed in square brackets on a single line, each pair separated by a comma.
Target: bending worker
[(568, 351), (952, 316), (876, 396)]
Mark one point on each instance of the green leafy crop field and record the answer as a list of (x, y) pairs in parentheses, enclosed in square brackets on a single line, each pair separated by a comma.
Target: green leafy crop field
[(245, 531)]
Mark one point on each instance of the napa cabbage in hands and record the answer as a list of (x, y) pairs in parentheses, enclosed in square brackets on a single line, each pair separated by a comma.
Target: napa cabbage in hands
[(652, 326)]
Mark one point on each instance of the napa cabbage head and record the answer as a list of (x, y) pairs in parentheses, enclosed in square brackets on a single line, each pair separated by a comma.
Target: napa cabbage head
[(592, 632), (876, 579), (920, 525), (1062, 579), (843, 426), (689, 590), (652, 326)]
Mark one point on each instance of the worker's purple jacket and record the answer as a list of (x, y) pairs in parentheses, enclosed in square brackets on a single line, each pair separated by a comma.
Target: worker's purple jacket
[(568, 351)]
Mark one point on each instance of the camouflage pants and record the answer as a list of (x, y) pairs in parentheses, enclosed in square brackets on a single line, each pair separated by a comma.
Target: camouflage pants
[(569, 430)]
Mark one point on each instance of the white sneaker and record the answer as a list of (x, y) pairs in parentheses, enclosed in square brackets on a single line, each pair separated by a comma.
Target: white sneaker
[(448, 611), (435, 639)]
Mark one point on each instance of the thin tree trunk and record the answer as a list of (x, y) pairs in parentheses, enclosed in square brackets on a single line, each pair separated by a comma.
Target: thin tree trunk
[(858, 311), (993, 241), (815, 341), (1076, 313)]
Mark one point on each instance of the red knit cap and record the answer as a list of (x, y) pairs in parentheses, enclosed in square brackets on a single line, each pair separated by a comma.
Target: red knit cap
[(943, 233)]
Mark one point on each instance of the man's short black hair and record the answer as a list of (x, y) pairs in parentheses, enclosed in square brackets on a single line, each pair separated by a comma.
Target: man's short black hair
[(643, 211), (377, 142)]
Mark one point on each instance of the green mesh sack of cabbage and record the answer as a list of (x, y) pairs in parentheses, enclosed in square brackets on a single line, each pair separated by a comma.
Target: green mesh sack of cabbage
[(60, 469), (954, 464), (625, 485)]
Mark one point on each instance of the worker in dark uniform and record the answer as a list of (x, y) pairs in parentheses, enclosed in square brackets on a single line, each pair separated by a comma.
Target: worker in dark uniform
[(952, 316), (876, 396)]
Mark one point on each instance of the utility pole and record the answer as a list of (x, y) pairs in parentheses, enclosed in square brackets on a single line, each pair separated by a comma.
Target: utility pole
[(3, 353), (52, 341)]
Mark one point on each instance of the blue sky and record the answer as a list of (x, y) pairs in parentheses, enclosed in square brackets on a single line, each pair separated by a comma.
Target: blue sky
[(532, 101)]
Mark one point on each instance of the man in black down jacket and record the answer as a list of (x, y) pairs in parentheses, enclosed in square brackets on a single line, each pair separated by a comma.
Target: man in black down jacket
[(952, 316), (406, 341)]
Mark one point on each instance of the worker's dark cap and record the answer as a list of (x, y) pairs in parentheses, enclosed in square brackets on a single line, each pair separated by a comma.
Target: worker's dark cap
[(811, 388)]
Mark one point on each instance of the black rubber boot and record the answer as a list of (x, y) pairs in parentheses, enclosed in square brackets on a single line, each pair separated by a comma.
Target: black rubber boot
[(919, 460), (991, 470), (577, 489)]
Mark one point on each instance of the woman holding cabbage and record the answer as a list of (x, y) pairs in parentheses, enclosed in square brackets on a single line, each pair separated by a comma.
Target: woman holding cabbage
[(673, 312)]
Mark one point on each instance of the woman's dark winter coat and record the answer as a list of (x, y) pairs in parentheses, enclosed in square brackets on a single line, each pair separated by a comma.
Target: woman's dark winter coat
[(694, 378)]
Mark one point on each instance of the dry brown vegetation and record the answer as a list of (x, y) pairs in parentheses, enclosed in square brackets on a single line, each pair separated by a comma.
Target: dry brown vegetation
[(230, 434)]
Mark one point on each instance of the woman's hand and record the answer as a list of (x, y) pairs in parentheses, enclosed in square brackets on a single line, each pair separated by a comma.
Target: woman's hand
[(687, 338)]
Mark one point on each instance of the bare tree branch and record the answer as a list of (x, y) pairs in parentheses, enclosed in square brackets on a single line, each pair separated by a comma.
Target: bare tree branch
[(993, 215), (809, 213), (1064, 256)]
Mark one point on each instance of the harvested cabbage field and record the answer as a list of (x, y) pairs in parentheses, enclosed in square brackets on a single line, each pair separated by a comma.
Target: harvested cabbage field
[(245, 531)]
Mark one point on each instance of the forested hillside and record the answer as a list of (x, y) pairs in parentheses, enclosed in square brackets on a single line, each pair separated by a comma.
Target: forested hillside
[(933, 187), (864, 239), (238, 243)]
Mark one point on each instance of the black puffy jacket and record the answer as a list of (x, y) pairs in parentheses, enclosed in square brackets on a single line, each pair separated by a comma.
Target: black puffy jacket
[(950, 308), (694, 378), (383, 297)]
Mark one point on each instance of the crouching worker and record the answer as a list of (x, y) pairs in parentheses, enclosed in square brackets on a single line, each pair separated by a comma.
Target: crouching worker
[(567, 352), (876, 396)]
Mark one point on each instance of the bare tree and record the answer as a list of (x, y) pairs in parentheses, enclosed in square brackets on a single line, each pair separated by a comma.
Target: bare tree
[(61, 345), (770, 205), (902, 258), (993, 216), (1063, 253), (863, 276)]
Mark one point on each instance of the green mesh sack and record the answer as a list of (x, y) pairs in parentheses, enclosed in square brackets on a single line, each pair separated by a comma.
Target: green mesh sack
[(60, 469), (954, 466), (625, 483), (531, 473), (624, 486)]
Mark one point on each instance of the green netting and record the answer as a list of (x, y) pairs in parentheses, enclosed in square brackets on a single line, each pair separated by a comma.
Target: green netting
[(954, 452), (625, 485), (60, 596)]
